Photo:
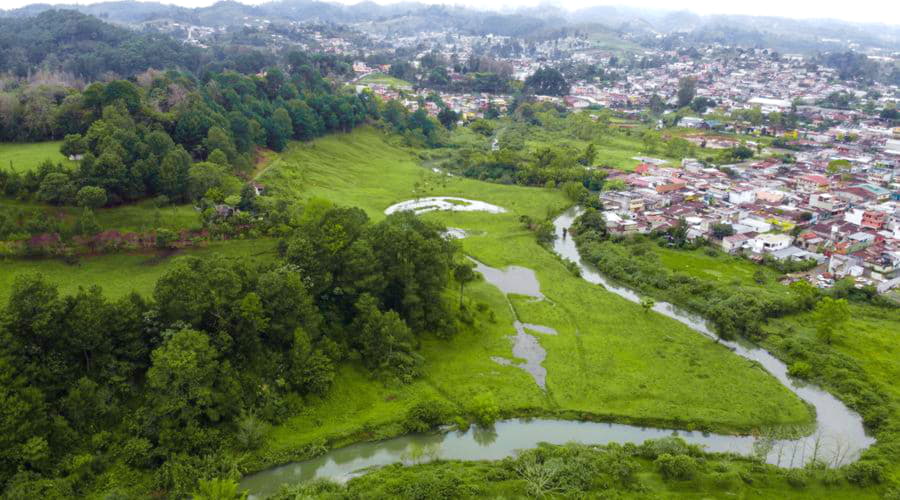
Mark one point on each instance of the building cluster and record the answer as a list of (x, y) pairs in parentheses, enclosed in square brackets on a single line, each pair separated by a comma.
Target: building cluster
[(847, 221)]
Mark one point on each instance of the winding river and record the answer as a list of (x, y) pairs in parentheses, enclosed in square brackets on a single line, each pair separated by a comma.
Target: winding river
[(839, 436)]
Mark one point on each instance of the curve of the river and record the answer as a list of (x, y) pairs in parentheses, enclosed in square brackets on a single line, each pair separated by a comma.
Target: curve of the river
[(839, 436)]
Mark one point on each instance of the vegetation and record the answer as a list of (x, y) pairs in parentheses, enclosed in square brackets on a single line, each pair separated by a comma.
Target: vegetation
[(171, 377), (28, 156), (771, 315), (661, 468)]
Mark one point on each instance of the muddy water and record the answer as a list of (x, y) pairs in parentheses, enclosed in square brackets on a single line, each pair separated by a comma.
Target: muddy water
[(839, 436), (520, 281), (838, 439)]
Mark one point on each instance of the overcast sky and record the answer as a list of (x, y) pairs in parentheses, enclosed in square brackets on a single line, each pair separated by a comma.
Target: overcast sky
[(880, 11)]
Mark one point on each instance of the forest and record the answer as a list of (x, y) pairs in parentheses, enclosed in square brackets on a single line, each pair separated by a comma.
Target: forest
[(169, 135), (85, 46), (172, 383)]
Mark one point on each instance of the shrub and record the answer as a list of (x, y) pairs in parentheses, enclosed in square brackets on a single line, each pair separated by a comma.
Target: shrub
[(800, 369), (797, 478), (425, 415), (251, 432), (864, 474), (678, 467), (653, 448), (485, 408)]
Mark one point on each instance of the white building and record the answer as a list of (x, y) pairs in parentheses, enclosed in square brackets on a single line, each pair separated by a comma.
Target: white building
[(770, 242), (741, 195)]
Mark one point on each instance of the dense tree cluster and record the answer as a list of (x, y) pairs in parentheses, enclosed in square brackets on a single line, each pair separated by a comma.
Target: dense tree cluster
[(85, 46), (139, 140), (547, 81), (147, 382)]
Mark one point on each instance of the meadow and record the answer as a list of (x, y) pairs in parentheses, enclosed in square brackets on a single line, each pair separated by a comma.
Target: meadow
[(22, 157), (610, 361), (123, 273), (383, 79)]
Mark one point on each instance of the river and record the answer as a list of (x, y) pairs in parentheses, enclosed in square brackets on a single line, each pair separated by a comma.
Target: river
[(839, 436)]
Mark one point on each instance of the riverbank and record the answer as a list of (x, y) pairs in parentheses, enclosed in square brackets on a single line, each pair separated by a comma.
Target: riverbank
[(846, 367), (610, 360)]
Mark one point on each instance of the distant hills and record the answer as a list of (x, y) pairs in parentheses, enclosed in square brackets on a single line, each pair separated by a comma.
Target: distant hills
[(409, 17)]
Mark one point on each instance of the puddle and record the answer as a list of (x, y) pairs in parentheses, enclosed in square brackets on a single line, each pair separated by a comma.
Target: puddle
[(448, 203)]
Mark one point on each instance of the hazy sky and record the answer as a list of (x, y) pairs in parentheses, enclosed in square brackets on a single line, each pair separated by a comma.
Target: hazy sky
[(880, 11)]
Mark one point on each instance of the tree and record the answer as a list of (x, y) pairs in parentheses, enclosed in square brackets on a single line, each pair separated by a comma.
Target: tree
[(87, 224), (830, 315), (547, 81), (73, 145), (448, 118), (656, 104), (835, 166), (463, 273), (174, 174), (587, 157), (92, 197), (384, 340), (56, 188), (687, 89), (280, 129), (701, 104), (187, 386), (721, 230), (647, 303)]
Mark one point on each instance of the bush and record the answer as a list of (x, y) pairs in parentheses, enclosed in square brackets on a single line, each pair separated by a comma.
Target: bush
[(800, 369), (653, 448), (678, 467), (864, 474), (425, 415), (485, 409), (797, 478), (251, 432)]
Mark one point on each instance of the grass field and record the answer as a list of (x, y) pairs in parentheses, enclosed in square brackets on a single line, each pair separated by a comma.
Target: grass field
[(871, 339), (121, 274), (127, 218), (610, 359), (721, 267), (383, 79), (23, 157)]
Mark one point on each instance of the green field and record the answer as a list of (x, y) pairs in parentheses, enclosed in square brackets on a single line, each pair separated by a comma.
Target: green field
[(121, 274), (610, 360), (383, 79), (126, 218), (23, 157), (721, 267)]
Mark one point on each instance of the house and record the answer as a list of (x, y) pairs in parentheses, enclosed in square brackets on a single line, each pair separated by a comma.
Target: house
[(691, 122), (812, 183), (756, 225), (809, 241), (873, 219), (768, 242), (827, 203), (880, 194), (622, 201), (735, 242), (740, 195)]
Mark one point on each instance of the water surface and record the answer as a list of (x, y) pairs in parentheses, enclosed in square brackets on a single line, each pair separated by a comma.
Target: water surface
[(838, 439)]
